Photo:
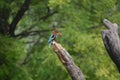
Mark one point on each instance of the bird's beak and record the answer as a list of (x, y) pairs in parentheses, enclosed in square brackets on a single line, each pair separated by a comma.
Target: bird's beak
[(59, 34)]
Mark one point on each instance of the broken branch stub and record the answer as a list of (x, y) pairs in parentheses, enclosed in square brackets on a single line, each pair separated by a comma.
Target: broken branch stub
[(68, 62), (111, 41)]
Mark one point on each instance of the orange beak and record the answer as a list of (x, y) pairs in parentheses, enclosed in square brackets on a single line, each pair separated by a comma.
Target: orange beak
[(59, 34)]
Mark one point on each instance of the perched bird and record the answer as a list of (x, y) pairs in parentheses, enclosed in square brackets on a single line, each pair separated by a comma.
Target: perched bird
[(53, 36)]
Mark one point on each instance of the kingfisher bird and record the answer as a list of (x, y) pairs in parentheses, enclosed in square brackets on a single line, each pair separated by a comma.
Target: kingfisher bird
[(53, 36)]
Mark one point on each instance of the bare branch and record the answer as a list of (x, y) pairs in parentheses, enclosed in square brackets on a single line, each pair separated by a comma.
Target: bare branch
[(67, 61), (110, 25), (111, 41), (29, 33), (49, 14)]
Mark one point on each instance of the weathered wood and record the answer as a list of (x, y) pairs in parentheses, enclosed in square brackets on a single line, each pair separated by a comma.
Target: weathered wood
[(112, 42), (68, 62)]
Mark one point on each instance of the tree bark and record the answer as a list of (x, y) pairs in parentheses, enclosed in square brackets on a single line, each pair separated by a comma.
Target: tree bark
[(4, 15), (68, 62), (111, 41), (18, 16)]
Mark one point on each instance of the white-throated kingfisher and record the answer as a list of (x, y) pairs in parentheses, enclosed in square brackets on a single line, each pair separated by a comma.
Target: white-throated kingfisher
[(53, 36)]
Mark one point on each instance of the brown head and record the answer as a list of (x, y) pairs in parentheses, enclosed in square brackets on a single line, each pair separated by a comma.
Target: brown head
[(56, 32)]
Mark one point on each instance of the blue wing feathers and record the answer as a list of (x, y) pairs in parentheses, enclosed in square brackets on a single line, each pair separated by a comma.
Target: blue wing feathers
[(52, 36), (50, 39)]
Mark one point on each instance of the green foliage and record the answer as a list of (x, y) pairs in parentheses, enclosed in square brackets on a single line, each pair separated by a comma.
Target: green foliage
[(11, 55), (80, 23), (11, 50), (44, 64), (59, 3)]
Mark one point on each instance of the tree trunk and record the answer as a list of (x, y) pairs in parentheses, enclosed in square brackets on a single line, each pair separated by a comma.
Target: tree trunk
[(68, 62), (18, 17), (112, 42)]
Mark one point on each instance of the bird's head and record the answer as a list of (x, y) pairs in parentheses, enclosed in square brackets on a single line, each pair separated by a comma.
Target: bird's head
[(56, 32)]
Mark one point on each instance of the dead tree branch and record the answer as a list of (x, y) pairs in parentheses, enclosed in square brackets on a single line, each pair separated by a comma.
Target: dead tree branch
[(112, 42), (68, 62)]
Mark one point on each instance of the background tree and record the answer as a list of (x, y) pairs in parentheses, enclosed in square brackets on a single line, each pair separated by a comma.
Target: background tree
[(24, 53)]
